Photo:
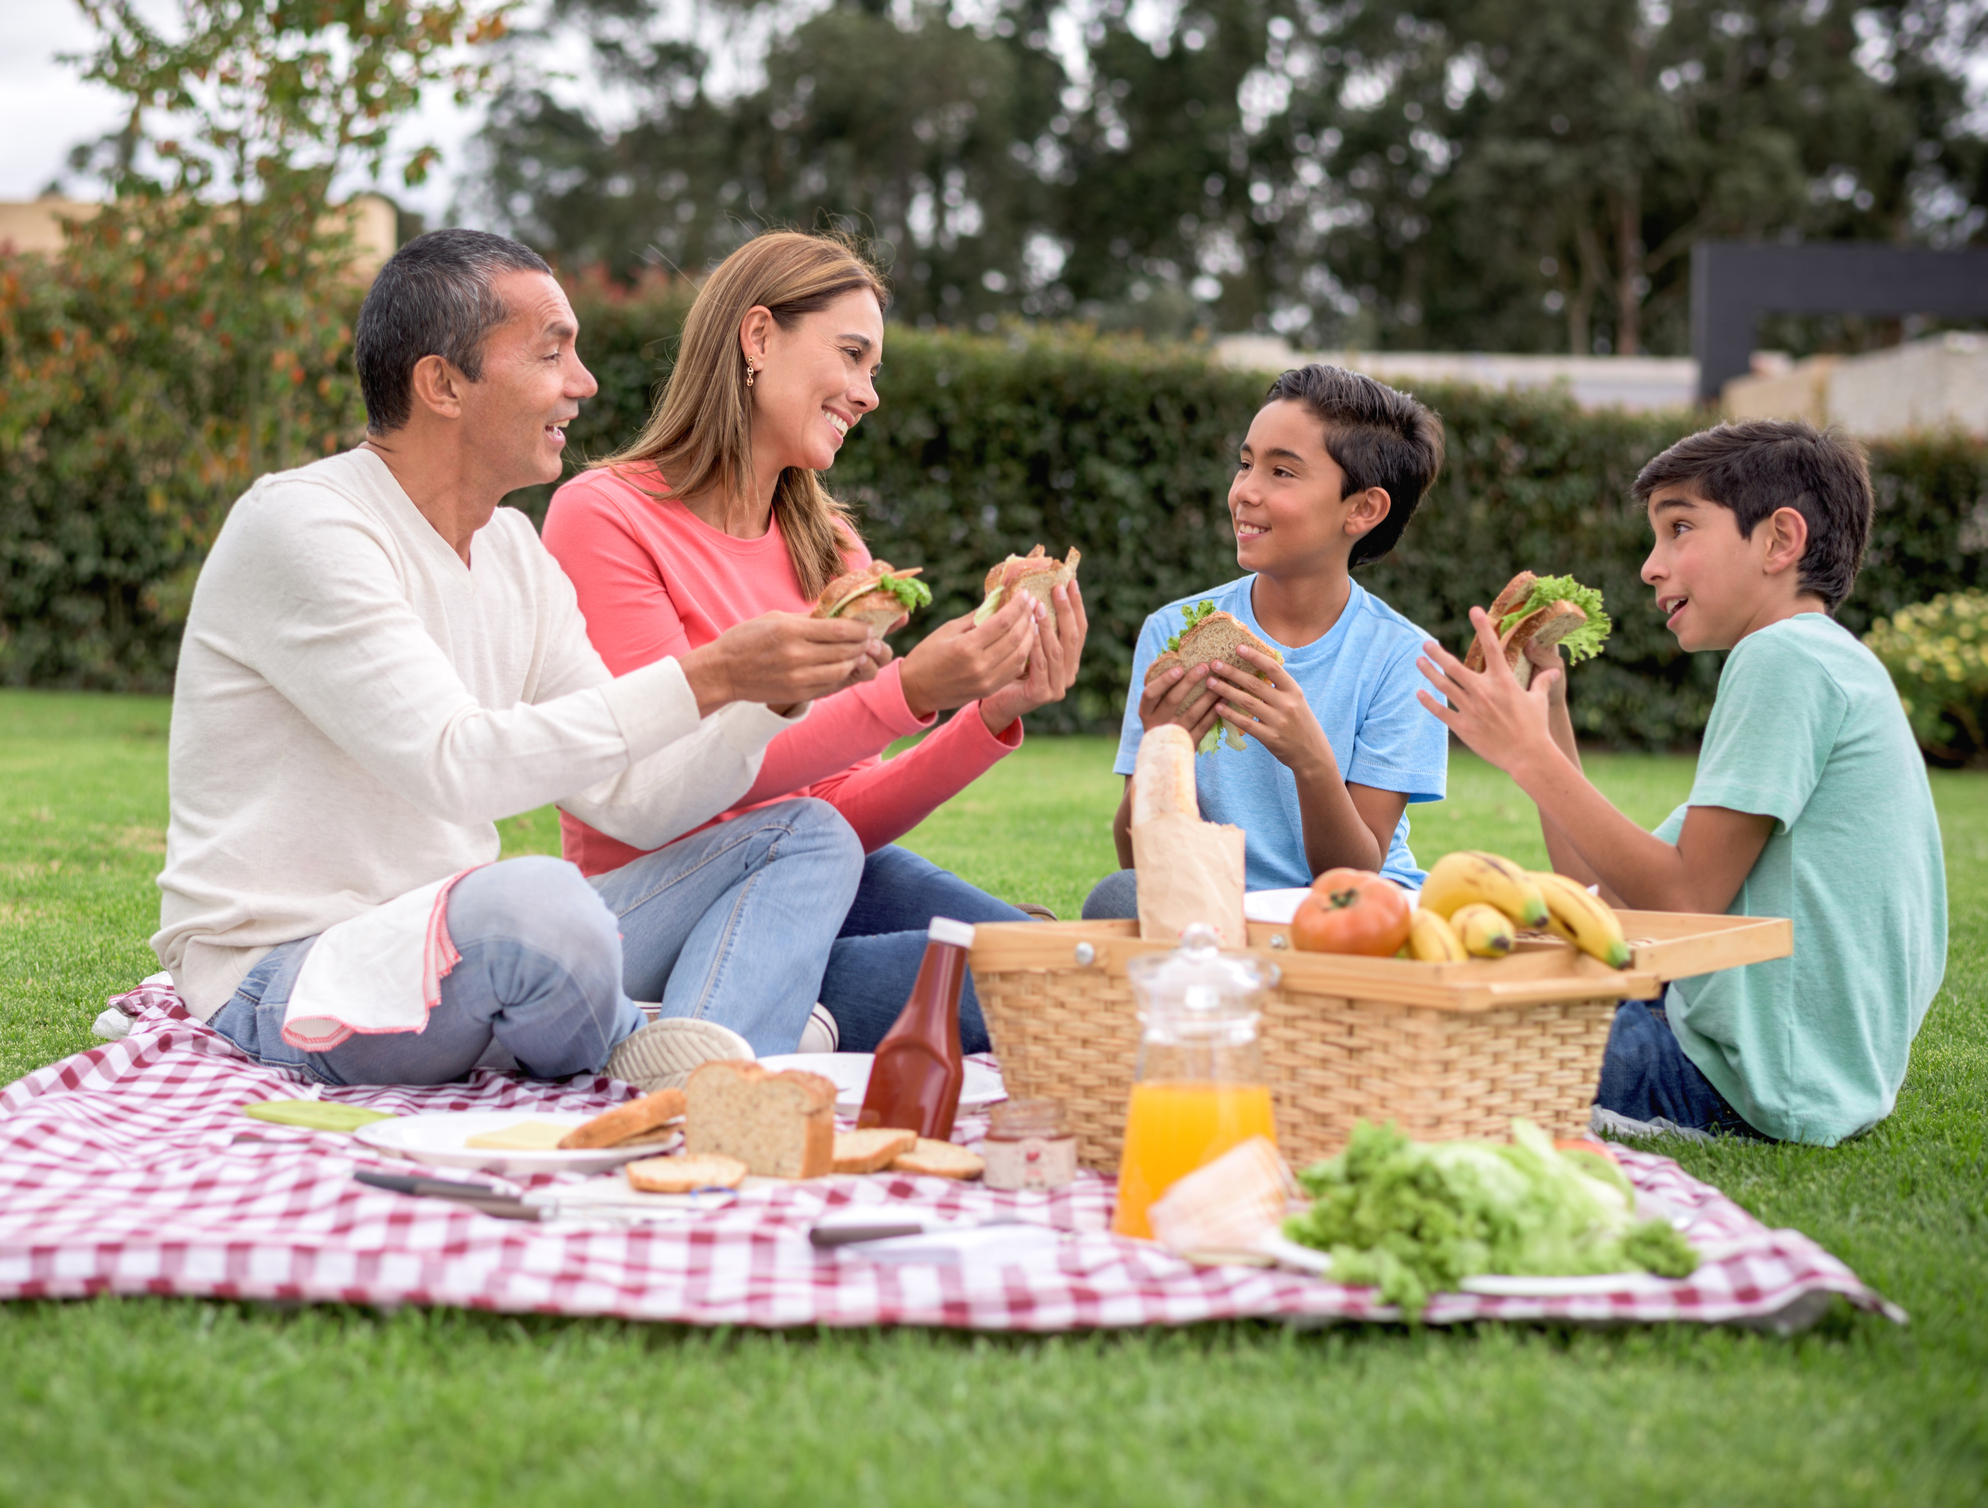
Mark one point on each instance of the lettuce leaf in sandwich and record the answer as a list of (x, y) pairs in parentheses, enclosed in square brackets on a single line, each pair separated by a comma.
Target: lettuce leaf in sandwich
[(1583, 642)]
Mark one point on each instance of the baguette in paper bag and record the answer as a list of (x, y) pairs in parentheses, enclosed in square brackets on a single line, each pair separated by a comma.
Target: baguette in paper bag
[(1189, 870)]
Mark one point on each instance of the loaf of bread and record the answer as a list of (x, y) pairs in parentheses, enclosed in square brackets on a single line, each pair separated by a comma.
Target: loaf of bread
[(640, 1120), (780, 1125), (1163, 777)]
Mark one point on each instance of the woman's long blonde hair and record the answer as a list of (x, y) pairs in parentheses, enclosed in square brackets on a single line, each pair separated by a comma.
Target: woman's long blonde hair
[(700, 435)]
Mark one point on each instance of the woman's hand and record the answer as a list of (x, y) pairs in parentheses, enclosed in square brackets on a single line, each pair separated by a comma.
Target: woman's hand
[(962, 660), (1500, 721), (1052, 664), (1274, 712), (781, 659)]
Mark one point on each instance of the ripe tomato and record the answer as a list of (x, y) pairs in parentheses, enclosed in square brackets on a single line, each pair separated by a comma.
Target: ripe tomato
[(1352, 911)]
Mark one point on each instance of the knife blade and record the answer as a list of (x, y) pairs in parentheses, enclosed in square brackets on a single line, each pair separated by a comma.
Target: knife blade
[(478, 1196)]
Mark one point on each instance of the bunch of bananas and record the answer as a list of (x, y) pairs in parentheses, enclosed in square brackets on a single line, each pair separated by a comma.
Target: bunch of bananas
[(1472, 901)]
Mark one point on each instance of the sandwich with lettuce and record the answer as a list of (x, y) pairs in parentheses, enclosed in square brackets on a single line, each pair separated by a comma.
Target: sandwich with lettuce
[(1543, 610), (879, 595)]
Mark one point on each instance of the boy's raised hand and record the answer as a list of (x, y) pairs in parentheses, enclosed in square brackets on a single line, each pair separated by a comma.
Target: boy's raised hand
[(1274, 712), (1501, 722)]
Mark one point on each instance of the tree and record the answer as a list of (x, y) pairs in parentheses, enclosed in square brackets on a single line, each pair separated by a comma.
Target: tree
[(909, 134), (195, 331), (1448, 173)]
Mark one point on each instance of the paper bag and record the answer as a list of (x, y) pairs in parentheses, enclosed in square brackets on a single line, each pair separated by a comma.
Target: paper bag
[(1189, 871)]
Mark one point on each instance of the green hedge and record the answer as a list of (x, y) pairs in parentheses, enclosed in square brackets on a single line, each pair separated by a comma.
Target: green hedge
[(989, 444)]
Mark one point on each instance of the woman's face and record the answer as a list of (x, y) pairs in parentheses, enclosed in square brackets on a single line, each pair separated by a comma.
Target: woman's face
[(815, 378)]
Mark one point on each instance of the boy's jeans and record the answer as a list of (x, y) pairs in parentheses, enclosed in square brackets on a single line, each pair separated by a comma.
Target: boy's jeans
[(732, 924), (1645, 1076)]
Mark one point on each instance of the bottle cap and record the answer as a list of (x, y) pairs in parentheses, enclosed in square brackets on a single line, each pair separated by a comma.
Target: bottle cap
[(944, 929)]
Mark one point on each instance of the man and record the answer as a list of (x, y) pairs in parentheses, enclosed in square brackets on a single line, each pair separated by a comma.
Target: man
[(380, 662)]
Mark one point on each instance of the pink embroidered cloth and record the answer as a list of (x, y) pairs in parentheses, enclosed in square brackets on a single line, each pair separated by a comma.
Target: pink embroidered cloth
[(130, 1169)]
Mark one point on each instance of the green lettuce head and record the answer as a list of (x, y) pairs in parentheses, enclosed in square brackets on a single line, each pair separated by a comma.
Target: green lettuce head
[(1585, 641)]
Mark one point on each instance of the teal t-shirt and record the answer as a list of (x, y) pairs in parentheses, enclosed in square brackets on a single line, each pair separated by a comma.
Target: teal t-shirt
[(1807, 730)]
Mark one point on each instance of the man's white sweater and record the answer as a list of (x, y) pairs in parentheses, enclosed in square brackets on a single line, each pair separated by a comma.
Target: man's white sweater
[(355, 708)]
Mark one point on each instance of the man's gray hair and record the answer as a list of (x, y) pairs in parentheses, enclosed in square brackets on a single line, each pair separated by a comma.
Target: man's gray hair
[(434, 297)]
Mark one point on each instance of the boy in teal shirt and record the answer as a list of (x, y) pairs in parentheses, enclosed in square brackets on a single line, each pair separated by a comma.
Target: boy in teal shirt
[(1810, 802)]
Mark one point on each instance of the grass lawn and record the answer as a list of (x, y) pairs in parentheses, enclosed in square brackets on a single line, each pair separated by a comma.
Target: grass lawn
[(126, 1401)]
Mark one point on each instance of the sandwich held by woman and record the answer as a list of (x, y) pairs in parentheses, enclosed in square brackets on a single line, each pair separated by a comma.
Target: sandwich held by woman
[(717, 514)]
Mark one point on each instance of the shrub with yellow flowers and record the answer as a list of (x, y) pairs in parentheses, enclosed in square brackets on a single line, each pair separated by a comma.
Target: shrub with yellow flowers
[(1937, 653)]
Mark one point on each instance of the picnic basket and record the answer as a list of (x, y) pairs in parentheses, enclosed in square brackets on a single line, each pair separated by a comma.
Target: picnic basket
[(1442, 1050)]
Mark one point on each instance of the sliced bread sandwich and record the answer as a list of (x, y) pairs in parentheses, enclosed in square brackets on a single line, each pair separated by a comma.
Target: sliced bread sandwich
[(1208, 636), (1038, 572)]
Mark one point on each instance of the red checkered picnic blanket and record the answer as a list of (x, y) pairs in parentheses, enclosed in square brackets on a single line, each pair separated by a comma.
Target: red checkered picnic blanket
[(130, 1169)]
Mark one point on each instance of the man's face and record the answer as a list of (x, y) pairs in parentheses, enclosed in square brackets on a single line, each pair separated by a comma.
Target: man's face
[(514, 419), (1706, 576), (1288, 500)]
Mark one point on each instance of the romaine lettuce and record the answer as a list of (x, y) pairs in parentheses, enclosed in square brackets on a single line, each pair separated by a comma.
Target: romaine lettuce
[(1584, 641)]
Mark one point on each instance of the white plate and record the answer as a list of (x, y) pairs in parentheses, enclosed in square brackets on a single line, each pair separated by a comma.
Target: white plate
[(1277, 907), (1488, 1284), (437, 1136), (851, 1073)]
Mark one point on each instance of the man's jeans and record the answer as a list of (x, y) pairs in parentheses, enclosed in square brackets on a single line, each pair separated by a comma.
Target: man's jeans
[(874, 963), (732, 924)]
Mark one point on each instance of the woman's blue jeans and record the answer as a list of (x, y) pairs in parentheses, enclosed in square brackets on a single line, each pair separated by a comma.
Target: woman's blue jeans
[(732, 924), (874, 963)]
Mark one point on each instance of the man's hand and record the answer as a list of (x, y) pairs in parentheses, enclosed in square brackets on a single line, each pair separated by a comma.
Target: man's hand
[(1274, 712), (1052, 664), (781, 659), (1502, 723), (961, 660)]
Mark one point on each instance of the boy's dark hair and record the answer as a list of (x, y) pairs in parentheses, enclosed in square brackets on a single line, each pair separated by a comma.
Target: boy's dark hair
[(1759, 465), (1379, 437), (434, 297)]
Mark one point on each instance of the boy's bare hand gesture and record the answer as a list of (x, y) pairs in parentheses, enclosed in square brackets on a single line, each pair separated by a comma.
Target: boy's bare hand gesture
[(1502, 722), (1274, 712)]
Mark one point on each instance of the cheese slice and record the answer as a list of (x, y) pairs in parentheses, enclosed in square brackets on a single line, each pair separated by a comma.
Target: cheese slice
[(526, 1136)]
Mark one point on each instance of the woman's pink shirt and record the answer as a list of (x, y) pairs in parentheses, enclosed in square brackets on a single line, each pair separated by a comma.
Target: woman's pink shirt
[(654, 579)]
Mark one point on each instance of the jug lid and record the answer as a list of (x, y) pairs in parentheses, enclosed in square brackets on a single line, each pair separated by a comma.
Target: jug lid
[(1197, 975)]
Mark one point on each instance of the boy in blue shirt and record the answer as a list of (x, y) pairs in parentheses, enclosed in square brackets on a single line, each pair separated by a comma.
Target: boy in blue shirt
[(1336, 747), (1810, 801)]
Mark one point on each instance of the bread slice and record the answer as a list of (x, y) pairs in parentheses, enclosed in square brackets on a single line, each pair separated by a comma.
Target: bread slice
[(1214, 638), (780, 1125), (867, 1151), (940, 1159), (638, 1120), (1037, 571), (682, 1175)]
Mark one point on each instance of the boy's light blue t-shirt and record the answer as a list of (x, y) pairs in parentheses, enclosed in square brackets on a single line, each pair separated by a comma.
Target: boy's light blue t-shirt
[(1361, 682), (1807, 730)]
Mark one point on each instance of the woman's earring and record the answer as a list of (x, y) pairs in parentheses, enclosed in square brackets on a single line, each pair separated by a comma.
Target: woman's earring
[(750, 369)]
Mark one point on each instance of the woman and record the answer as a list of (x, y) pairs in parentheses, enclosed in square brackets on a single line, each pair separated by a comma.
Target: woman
[(716, 513)]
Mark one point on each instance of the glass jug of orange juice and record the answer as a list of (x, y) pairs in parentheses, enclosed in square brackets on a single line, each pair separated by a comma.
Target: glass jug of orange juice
[(1200, 1088)]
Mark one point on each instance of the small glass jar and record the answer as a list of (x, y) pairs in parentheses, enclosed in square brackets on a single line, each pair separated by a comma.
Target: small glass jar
[(1028, 1146)]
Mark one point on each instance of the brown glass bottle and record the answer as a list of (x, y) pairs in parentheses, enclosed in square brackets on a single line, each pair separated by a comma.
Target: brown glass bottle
[(919, 1068)]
